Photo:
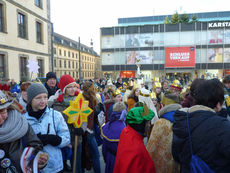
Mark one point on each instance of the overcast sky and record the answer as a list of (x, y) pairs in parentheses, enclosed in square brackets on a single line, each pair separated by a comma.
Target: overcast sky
[(84, 18)]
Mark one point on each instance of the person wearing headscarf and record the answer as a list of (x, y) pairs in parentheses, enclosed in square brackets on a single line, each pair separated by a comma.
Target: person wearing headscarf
[(132, 155)]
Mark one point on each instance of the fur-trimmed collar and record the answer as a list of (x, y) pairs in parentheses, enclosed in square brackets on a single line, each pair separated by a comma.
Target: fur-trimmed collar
[(197, 108), (169, 108)]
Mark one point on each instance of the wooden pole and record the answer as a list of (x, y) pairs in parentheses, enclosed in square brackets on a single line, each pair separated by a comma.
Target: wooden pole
[(75, 154)]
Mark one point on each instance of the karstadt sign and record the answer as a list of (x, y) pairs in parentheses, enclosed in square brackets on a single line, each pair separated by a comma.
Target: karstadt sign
[(218, 24)]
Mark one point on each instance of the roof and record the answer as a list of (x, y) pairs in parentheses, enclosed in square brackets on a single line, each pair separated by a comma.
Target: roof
[(69, 43), (202, 17)]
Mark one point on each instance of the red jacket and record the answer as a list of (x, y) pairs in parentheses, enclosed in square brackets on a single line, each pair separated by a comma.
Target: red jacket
[(132, 156)]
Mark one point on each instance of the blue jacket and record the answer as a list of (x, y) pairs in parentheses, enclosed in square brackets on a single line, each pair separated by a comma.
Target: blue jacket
[(58, 127)]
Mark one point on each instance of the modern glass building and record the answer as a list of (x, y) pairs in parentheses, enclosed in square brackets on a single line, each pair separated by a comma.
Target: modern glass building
[(193, 49)]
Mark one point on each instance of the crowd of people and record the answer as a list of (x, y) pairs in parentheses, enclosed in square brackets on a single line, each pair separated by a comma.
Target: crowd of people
[(159, 129)]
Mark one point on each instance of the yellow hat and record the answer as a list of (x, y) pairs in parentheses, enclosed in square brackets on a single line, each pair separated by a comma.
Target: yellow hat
[(124, 83), (153, 95), (156, 79), (157, 85), (116, 92), (176, 84)]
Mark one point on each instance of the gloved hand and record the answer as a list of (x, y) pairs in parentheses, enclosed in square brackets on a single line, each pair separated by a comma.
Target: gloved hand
[(54, 140), (78, 131)]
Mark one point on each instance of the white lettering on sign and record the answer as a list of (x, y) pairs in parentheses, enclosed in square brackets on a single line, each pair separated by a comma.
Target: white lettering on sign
[(181, 56), (218, 24)]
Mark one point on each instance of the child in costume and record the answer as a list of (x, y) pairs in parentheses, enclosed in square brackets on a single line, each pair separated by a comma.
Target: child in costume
[(111, 132), (132, 155)]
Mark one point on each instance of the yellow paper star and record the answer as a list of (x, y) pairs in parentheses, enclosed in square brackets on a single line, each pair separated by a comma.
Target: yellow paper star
[(78, 111)]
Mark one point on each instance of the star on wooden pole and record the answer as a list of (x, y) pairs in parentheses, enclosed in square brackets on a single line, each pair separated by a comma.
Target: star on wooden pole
[(78, 111)]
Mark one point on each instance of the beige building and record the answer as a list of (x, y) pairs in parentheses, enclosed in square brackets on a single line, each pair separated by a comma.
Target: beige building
[(24, 35), (66, 58)]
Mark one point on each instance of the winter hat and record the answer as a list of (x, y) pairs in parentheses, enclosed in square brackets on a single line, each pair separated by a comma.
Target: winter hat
[(65, 81), (34, 90), (50, 75), (4, 102), (137, 115), (118, 107)]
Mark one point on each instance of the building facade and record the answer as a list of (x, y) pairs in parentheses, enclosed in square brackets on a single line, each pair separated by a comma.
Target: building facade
[(198, 48), (24, 35), (66, 59)]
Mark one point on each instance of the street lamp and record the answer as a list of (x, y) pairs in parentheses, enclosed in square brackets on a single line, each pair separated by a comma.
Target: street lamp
[(79, 49)]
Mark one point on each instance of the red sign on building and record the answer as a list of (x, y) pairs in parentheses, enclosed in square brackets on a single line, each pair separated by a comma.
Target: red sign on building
[(127, 74), (179, 57)]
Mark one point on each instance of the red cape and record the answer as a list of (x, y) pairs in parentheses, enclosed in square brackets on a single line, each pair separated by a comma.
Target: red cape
[(132, 156)]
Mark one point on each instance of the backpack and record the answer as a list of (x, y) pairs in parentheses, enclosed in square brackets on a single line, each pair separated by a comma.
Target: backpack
[(197, 165)]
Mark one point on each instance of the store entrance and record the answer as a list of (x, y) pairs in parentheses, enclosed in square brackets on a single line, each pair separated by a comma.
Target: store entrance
[(184, 78)]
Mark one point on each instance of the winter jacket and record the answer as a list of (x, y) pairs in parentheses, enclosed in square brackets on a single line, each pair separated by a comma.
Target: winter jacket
[(53, 122), (15, 149), (60, 108), (210, 138)]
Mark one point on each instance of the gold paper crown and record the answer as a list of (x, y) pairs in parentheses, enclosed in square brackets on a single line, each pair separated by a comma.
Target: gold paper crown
[(176, 84), (153, 95), (157, 85), (124, 83), (156, 79), (116, 92)]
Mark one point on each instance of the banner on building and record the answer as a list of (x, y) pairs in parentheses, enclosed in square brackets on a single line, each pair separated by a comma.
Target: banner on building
[(180, 57), (127, 74)]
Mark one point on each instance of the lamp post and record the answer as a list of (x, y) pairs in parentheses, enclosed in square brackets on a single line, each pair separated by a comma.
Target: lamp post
[(52, 47), (79, 49)]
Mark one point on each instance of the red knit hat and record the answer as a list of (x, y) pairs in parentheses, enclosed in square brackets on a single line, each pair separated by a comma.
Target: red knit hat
[(65, 81)]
